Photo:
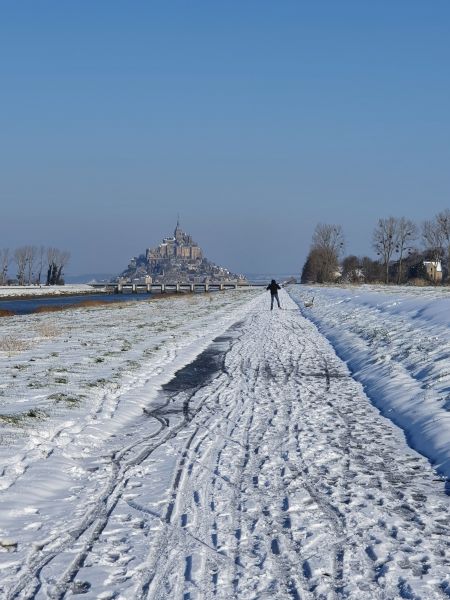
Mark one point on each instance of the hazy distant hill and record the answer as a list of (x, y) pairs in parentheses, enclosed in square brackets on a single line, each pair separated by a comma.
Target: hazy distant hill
[(263, 277)]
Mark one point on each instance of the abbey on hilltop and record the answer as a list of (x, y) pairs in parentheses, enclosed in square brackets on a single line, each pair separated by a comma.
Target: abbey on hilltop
[(176, 259)]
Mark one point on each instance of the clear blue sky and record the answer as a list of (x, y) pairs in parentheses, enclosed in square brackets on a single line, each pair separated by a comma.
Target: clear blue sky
[(253, 119)]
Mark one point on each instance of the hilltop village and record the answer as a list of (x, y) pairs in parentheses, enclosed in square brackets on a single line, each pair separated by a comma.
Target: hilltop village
[(176, 259)]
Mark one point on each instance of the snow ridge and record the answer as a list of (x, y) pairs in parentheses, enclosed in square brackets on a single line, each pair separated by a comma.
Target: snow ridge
[(396, 342)]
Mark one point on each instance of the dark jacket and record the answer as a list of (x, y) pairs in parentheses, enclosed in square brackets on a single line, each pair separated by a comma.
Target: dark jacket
[(273, 287)]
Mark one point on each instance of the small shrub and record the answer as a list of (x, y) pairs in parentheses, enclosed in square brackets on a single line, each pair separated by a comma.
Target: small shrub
[(99, 383), (21, 418), (66, 399), (35, 414)]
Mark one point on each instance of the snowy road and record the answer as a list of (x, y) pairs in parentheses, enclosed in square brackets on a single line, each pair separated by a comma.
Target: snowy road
[(260, 471)]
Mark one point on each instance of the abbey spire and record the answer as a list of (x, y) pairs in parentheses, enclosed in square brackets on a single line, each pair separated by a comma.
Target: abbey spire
[(178, 233)]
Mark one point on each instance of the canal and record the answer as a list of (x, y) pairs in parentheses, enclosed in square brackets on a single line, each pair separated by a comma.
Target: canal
[(21, 306)]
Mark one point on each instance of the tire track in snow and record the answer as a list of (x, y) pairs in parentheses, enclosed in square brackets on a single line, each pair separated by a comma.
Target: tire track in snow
[(94, 522), (244, 444)]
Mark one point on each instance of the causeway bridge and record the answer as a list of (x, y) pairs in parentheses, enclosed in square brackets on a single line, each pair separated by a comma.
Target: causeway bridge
[(139, 288)]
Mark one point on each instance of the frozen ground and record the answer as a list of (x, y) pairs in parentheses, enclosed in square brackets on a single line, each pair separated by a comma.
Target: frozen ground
[(11, 291), (260, 470)]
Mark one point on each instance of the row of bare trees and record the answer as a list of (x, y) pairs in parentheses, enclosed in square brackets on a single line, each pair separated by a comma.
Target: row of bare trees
[(33, 265), (396, 241)]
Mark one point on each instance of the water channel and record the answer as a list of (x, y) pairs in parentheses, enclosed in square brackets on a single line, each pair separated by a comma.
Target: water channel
[(25, 306)]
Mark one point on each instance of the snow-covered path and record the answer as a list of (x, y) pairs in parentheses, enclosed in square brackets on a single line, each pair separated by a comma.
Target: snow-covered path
[(261, 471)]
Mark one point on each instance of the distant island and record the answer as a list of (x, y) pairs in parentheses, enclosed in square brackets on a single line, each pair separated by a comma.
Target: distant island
[(176, 259)]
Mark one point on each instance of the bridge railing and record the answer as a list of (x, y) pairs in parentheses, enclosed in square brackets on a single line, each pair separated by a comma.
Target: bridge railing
[(134, 288)]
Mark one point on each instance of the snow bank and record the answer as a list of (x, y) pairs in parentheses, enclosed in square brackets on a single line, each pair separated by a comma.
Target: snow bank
[(396, 342)]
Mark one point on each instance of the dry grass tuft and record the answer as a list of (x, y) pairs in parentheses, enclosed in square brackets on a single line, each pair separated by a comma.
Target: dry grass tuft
[(60, 307), (47, 330), (418, 282), (6, 313), (91, 303), (11, 344), (51, 309)]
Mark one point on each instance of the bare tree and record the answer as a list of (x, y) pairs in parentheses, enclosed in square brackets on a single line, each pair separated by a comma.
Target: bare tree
[(443, 222), (63, 259), (406, 234), (351, 269), (328, 243), (51, 261), (20, 258), (384, 241), (30, 260), (432, 238), (371, 269), (40, 263), (56, 261), (4, 264), (312, 271)]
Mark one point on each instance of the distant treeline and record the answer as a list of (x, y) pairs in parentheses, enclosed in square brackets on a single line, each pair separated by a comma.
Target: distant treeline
[(33, 265), (405, 251)]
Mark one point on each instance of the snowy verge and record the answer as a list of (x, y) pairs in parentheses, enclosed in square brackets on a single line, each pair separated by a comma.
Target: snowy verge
[(397, 344), (12, 291)]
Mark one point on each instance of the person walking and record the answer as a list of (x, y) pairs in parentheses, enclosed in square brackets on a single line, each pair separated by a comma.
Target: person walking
[(274, 287)]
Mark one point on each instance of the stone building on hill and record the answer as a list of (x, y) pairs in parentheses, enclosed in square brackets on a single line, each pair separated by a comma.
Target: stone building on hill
[(180, 246), (176, 259)]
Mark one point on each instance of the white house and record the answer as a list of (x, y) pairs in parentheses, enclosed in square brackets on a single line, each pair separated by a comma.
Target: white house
[(433, 269)]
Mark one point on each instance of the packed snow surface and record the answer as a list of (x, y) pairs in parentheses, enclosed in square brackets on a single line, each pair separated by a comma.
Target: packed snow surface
[(12, 291), (396, 342), (206, 449)]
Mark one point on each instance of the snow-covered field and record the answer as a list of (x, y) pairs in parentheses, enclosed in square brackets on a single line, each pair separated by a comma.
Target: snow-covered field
[(396, 342), (12, 291), (197, 449)]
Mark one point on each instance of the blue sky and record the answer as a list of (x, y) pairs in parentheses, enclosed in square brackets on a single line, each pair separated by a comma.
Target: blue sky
[(254, 120)]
